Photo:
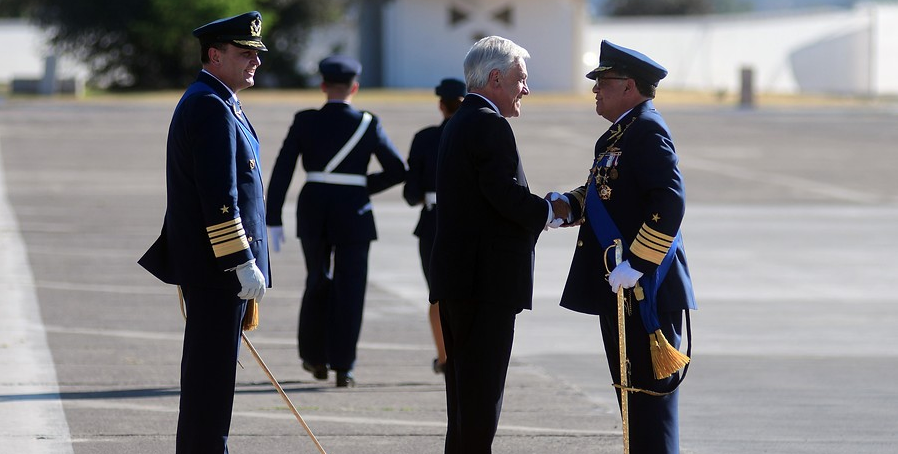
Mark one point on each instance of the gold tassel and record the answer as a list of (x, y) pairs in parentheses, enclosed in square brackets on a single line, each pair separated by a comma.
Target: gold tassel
[(251, 317), (665, 358)]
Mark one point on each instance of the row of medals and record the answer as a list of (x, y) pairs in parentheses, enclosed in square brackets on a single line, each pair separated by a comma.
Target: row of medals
[(604, 168)]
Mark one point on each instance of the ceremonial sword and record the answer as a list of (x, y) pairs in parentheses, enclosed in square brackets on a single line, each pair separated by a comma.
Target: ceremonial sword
[(622, 346)]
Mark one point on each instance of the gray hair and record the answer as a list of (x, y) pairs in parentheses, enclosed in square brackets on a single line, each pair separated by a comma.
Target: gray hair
[(492, 52)]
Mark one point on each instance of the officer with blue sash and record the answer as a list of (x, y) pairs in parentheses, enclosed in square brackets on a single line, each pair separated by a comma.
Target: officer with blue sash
[(334, 219), (213, 242), (634, 193)]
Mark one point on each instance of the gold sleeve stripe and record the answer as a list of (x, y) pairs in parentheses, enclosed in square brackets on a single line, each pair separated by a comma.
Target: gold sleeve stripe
[(225, 224), (651, 245), (224, 237), (660, 236), (230, 247), (227, 237)]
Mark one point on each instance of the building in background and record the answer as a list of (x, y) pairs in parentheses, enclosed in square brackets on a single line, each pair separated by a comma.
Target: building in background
[(846, 48), (830, 47), (426, 40), (32, 67), (831, 51)]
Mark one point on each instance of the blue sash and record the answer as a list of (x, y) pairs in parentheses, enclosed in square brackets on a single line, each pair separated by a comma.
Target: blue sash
[(606, 232)]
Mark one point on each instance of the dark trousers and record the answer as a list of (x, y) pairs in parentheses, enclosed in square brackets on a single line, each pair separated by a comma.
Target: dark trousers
[(478, 341), (330, 318), (208, 368), (654, 420)]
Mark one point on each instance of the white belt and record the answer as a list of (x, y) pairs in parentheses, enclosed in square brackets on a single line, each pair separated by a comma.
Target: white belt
[(346, 179), (430, 200)]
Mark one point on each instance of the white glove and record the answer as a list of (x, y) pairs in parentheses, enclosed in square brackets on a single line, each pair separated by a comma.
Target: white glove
[(554, 224), (553, 196), (252, 281), (623, 276), (276, 237)]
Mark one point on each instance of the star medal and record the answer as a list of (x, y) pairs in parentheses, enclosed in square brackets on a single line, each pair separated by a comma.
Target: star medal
[(605, 192)]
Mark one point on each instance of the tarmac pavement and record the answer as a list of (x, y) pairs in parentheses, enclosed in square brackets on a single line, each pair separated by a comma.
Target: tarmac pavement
[(790, 232)]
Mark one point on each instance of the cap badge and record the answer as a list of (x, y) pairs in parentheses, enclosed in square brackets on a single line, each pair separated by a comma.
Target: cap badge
[(255, 28)]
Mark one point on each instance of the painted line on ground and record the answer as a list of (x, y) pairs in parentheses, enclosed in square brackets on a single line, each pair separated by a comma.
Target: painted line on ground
[(34, 426)]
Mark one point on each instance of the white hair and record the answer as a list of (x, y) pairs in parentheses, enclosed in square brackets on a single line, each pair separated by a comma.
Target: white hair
[(492, 52)]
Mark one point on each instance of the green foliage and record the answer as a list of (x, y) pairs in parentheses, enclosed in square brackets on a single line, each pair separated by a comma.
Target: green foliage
[(147, 44), (287, 34)]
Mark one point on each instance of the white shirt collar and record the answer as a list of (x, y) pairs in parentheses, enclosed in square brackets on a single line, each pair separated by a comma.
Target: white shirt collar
[(233, 95), (622, 116), (496, 109)]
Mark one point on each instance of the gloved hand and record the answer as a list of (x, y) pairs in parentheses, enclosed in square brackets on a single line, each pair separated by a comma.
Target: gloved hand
[(554, 224), (553, 196), (276, 237), (251, 280), (623, 276)]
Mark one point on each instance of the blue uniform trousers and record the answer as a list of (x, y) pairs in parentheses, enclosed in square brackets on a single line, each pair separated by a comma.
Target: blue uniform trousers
[(208, 368), (654, 420), (330, 318)]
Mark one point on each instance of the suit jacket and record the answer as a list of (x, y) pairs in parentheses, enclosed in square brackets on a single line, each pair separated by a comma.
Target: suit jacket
[(488, 221), (647, 205), (422, 177), (215, 214), (340, 213)]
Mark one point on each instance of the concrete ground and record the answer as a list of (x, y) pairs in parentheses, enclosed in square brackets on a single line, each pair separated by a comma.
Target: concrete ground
[(790, 232)]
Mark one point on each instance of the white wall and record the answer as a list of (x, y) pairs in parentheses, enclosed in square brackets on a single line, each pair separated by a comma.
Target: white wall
[(25, 50), (885, 48), (838, 51), (850, 52), (421, 46)]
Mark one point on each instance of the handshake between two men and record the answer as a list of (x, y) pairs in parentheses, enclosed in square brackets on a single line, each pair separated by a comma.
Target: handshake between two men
[(623, 275)]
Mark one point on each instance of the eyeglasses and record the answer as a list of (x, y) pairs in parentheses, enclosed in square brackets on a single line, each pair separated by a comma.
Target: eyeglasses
[(600, 82)]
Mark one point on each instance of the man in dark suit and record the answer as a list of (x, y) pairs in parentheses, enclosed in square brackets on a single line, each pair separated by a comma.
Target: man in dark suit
[(334, 220), (420, 189), (635, 194), (213, 242), (487, 226)]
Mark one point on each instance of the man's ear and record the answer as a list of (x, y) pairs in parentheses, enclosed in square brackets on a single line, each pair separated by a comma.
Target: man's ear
[(214, 55), (495, 75)]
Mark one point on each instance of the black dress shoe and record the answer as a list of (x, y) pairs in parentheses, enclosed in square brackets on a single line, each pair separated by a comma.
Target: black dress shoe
[(319, 371), (345, 379)]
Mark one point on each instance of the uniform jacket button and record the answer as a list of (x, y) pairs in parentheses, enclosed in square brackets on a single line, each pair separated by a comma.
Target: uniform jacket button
[(249, 239), (579, 243)]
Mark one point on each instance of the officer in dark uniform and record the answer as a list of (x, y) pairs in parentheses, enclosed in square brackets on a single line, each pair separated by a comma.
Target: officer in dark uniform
[(213, 242), (634, 192), (334, 220), (420, 188)]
